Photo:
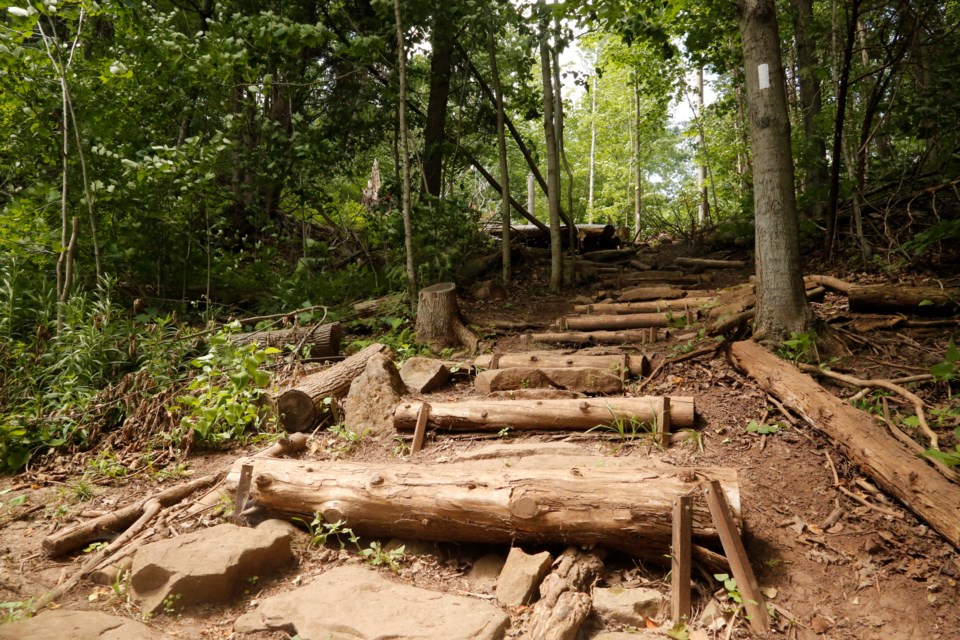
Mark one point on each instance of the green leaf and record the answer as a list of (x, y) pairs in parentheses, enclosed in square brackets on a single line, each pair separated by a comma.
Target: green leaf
[(926, 303)]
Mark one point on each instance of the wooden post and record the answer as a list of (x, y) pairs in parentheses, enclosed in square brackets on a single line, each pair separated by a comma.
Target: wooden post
[(737, 557), (421, 429), (243, 490), (662, 423), (681, 559)]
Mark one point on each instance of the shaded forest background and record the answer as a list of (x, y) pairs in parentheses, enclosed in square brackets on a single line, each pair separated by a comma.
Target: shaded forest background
[(170, 163)]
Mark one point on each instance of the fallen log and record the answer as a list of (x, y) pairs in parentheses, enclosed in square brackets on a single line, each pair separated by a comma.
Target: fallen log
[(301, 406), (731, 316), (933, 498), (643, 294), (322, 340), (636, 278), (634, 364), (627, 321), (553, 415), (651, 306), (610, 255), (834, 284), (539, 499), (376, 306), (704, 263), (582, 379), (927, 301), (639, 336)]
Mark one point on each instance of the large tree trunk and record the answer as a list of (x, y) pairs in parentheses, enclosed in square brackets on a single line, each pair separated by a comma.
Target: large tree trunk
[(502, 152), (553, 415), (438, 319), (553, 160), (441, 59), (301, 406), (625, 505), (814, 153), (322, 341), (932, 497), (405, 157), (781, 306), (632, 364)]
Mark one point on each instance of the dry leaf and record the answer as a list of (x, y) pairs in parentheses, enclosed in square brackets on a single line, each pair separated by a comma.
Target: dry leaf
[(819, 624), (651, 623)]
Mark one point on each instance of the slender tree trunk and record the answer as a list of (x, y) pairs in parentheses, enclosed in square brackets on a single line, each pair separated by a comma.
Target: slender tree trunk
[(814, 156), (405, 157), (553, 164), (637, 169), (703, 207), (593, 146), (558, 120), (781, 304), (531, 194), (502, 148)]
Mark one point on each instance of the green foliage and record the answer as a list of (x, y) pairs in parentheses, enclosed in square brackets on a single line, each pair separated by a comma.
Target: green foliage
[(375, 555), (226, 396), (763, 429), (346, 439), (949, 458), (800, 347), (730, 586), (949, 369)]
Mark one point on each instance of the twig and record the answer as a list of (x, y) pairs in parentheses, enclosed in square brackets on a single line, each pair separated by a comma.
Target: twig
[(911, 444), (890, 386), (870, 505), (833, 467), (682, 358)]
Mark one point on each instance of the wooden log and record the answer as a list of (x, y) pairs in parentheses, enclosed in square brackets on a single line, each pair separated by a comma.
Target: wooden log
[(639, 336), (539, 499), (912, 480), (635, 364), (704, 263), (322, 341), (627, 321), (438, 319), (575, 415), (681, 556), (581, 379), (834, 284), (301, 406), (925, 301), (644, 294), (610, 255), (376, 306), (651, 306)]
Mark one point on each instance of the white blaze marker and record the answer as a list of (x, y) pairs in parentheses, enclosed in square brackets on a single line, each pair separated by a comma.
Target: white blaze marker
[(763, 71)]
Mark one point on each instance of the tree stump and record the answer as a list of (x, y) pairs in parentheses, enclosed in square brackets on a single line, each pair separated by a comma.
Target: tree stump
[(438, 319)]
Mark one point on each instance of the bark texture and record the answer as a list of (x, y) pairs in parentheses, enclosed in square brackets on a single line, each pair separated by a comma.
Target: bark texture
[(620, 362), (438, 319), (322, 341)]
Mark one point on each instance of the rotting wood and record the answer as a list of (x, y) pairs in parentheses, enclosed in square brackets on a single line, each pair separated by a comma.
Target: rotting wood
[(323, 340), (548, 415), (301, 406), (565, 602), (924, 301), (633, 363), (628, 336), (681, 559), (538, 499), (704, 263), (737, 556), (628, 321), (933, 498)]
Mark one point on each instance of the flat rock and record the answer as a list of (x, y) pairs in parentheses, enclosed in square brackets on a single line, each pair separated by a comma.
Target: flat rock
[(628, 606), (640, 634), (373, 396), (521, 576), (356, 603), (211, 565), (78, 625), (485, 571), (581, 379), (424, 375)]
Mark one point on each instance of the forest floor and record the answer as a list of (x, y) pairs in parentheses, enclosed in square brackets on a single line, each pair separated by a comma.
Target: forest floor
[(869, 575)]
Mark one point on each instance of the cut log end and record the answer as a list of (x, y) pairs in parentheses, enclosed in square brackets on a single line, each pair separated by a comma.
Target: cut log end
[(297, 411)]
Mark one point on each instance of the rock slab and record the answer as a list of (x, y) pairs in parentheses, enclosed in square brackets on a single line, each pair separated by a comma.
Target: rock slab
[(211, 565), (78, 625), (521, 576), (356, 603), (373, 396), (628, 606), (424, 375)]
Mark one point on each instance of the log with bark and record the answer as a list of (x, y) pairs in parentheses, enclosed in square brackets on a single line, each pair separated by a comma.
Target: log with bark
[(302, 406), (580, 379), (438, 319), (368, 308), (926, 301), (650, 306), (645, 294), (912, 480), (322, 340), (626, 505), (634, 336), (704, 263), (547, 415), (634, 364), (627, 321)]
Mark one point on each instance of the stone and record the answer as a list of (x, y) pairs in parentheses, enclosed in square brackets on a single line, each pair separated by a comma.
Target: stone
[(373, 396), (211, 565), (639, 634), (712, 617), (78, 625), (521, 576), (356, 603), (485, 571), (581, 379), (627, 605), (424, 375)]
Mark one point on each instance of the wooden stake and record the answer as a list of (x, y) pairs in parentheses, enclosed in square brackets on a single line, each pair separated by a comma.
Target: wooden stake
[(737, 557), (681, 559), (421, 429), (663, 423), (243, 490)]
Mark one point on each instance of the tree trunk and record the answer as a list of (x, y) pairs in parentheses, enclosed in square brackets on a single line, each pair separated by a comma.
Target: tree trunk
[(912, 480), (537, 499), (322, 341), (434, 138), (550, 415), (553, 164), (302, 406), (531, 194), (405, 156), (814, 153), (781, 306), (593, 147), (438, 319), (637, 168), (703, 204), (504, 168), (633, 364)]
